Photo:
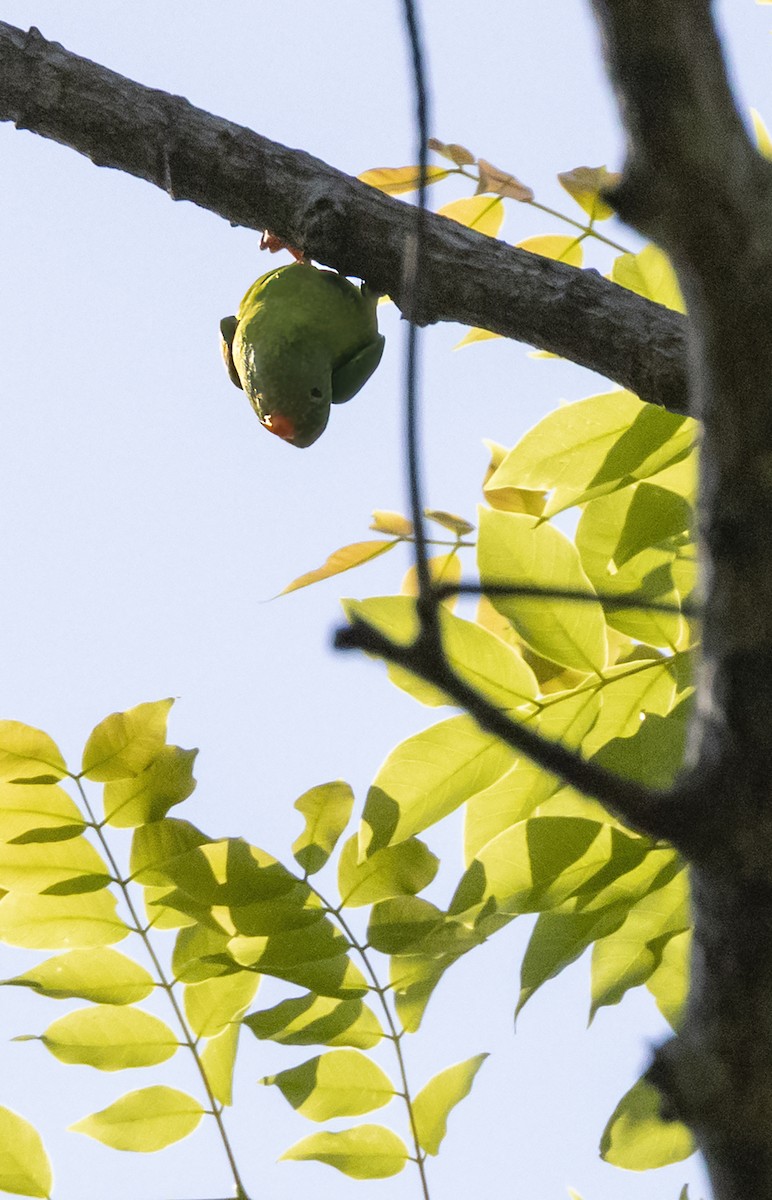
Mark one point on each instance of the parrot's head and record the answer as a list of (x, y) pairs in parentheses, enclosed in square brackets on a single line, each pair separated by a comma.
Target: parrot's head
[(291, 392)]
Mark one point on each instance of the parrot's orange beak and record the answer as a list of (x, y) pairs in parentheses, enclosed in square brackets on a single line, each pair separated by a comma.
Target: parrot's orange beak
[(281, 426)]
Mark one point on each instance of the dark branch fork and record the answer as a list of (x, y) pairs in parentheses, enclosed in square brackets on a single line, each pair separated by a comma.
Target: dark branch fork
[(251, 181)]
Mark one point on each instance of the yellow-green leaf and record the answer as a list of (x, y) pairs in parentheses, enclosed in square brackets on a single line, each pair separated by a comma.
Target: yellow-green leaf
[(399, 870), (218, 1059), (364, 1152), (482, 213), (517, 549), (101, 975), (428, 776), (25, 1168), (110, 1038), (340, 1083), (342, 560), (60, 922), (317, 1020), (28, 754), (397, 180), (387, 521), (559, 246), (476, 335), (166, 781), (327, 809), (763, 140), (650, 274), (438, 1097), (125, 743), (638, 1138), (32, 808), (39, 866), (669, 984), (146, 1120), (585, 185), (213, 1004)]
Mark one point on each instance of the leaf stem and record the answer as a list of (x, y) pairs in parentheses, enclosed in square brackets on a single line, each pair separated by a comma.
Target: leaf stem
[(167, 986), (395, 1034)]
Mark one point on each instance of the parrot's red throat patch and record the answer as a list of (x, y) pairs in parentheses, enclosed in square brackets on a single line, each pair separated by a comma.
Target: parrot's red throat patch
[(281, 426)]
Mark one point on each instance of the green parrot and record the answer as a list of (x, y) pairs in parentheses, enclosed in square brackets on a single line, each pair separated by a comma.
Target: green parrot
[(303, 339)]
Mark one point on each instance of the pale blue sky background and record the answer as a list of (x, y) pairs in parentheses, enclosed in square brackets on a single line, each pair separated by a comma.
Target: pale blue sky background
[(146, 518)]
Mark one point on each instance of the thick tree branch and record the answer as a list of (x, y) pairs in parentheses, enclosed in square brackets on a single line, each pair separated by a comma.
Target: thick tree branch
[(695, 183), (251, 181)]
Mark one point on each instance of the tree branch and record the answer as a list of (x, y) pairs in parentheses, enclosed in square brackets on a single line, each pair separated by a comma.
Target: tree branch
[(666, 815), (251, 181)]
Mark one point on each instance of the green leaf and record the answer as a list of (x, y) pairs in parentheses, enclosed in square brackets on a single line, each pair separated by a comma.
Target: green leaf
[(341, 560), (156, 845), (649, 273), (535, 865), (213, 1004), (397, 180), (218, 1059), (438, 1097), (483, 213), (25, 1168), (558, 939), (592, 447), (669, 984), (36, 866), (146, 1120), (398, 870), (28, 807), (146, 797), (627, 957), (517, 549), (315, 958), (327, 810), (317, 1020), (428, 776), (60, 922), (110, 1038), (28, 754), (198, 953), (400, 925), (629, 694), (364, 1152), (99, 974), (340, 1083), (413, 979), (636, 1136), (125, 743), (479, 656)]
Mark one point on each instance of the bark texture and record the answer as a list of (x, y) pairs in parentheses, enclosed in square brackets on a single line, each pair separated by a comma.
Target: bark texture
[(695, 183), (251, 181)]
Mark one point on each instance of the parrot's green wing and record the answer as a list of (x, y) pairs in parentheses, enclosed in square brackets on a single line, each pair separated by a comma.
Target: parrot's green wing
[(352, 375), (227, 332)]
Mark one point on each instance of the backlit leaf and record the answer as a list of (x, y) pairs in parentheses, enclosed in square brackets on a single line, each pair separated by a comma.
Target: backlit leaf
[(168, 780), (110, 1038), (342, 560), (28, 754), (125, 743), (763, 140), (438, 1097), (29, 807), (649, 273), (146, 1120), (364, 1152), (60, 922), (38, 866), (386, 521), (218, 1059), (340, 1083), (311, 1020), (637, 1137), (402, 869), (428, 776), (482, 213), (394, 181), (98, 974), (457, 154), (213, 1004), (493, 179), (326, 809), (669, 984), (25, 1168), (516, 549), (561, 247), (457, 525), (586, 184)]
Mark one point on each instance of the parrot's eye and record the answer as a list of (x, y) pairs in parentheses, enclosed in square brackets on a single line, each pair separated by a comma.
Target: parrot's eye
[(316, 393)]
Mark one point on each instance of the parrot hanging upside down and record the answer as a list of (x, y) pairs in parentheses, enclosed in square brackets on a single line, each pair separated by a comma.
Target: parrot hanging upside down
[(303, 339)]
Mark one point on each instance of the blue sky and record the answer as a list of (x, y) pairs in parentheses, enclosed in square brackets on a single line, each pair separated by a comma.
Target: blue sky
[(147, 519)]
